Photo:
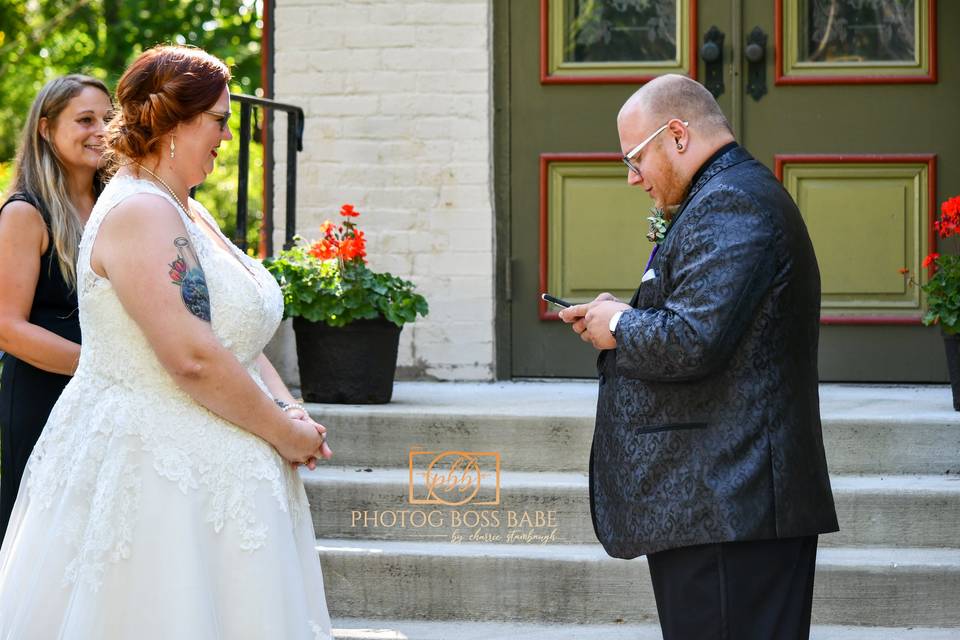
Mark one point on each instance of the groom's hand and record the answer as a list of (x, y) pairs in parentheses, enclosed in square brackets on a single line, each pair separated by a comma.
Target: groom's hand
[(591, 321), (594, 327), (571, 315)]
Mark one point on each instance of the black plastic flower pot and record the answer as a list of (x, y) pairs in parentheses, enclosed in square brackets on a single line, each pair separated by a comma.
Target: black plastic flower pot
[(354, 364), (952, 345)]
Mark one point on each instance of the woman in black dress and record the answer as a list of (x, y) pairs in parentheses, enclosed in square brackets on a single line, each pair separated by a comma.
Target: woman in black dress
[(55, 185)]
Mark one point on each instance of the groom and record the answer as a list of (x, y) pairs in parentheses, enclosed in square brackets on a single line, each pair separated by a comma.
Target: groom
[(708, 455)]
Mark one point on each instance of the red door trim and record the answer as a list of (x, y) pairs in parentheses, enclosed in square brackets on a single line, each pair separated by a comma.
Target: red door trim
[(546, 78), (782, 79), (545, 159), (931, 161)]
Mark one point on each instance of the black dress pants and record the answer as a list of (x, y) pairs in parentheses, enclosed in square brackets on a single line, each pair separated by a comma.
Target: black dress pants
[(756, 590)]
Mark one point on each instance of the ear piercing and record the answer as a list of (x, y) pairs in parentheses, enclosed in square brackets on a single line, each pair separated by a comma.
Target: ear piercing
[(679, 147), (173, 146)]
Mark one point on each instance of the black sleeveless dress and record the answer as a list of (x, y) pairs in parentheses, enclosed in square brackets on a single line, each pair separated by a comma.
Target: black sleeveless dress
[(27, 394)]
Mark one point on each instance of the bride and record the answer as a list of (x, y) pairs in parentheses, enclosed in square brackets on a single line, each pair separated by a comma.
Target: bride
[(162, 500)]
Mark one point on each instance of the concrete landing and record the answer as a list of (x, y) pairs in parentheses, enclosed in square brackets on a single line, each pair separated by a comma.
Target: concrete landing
[(578, 398)]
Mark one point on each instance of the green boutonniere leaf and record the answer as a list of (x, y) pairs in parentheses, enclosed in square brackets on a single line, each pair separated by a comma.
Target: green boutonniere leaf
[(660, 222)]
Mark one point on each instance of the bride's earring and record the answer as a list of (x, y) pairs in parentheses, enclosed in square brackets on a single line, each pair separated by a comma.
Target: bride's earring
[(173, 147)]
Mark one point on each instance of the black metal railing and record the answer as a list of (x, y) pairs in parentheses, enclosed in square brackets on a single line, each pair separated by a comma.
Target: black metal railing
[(295, 120)]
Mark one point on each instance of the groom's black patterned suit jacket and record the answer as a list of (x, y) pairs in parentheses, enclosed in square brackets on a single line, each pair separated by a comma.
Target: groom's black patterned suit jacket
[(708, 419)]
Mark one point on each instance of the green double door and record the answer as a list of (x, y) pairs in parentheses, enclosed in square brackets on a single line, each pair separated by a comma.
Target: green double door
[(851, 102)]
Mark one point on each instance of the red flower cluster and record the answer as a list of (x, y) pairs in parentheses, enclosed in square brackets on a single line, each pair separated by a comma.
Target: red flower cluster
[(344, 242), (354, 246), (929, 260), (949, 222), (324, 249)]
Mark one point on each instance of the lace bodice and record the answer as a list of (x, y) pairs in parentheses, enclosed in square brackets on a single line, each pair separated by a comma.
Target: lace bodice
[(246, 303)]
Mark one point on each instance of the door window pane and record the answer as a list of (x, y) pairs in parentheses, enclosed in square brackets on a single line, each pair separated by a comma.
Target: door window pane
[(858, 31), (620, 31)]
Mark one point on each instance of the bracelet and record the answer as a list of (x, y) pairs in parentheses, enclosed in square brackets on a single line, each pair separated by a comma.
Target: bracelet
[(286, 406)]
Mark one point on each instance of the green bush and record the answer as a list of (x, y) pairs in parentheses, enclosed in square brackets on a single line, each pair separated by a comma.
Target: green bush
[(6, 175)]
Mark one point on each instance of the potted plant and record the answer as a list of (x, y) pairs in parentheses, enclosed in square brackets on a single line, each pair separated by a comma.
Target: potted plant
[(943, 292), (347, 318)]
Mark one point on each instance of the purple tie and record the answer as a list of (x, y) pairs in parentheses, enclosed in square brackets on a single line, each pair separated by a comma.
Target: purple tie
[(653, 254)]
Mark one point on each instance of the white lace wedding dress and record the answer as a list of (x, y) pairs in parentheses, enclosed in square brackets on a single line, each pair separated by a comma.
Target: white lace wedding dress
[(142, 514)]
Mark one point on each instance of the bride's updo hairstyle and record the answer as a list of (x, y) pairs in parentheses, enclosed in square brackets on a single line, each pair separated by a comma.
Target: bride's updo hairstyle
[(165, 85)]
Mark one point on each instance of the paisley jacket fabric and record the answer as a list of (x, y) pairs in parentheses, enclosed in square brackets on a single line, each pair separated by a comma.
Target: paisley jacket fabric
[(708, 418)]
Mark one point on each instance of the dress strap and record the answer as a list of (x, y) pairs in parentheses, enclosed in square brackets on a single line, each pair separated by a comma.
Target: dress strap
[(117, 190)]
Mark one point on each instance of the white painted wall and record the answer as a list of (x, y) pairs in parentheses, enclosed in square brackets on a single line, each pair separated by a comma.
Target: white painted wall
[(398, 102)]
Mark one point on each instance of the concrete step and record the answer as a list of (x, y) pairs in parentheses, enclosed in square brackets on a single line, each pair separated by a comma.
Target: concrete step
[(366, 629), (562, 584), (548, 426), (896, 511)]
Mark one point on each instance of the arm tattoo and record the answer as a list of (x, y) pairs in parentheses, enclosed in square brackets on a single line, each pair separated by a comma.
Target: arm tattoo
[(185, 272)]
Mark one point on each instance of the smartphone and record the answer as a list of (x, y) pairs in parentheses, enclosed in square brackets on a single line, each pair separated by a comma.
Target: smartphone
[(557, 301)]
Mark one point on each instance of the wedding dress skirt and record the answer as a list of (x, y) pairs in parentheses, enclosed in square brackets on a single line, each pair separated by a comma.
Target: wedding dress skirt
[(144, 515)]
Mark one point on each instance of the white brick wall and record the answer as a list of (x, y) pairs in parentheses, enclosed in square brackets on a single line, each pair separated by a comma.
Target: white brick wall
[(397, 95)]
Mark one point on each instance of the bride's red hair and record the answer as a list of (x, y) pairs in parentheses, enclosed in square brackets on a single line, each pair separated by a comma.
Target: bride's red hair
[(164, 86)]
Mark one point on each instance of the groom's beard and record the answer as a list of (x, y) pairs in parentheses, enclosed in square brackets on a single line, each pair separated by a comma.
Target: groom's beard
[(673, 187)]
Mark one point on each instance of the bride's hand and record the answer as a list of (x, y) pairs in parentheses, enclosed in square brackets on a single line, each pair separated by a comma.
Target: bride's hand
[(325, 451), (301, 442)]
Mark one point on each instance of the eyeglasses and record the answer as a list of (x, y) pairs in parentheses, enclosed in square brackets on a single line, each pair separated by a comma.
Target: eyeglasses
[(628, 158), (224, 118)]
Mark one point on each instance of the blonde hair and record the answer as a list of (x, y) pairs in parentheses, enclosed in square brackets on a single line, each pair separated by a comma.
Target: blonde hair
[(41, 174)]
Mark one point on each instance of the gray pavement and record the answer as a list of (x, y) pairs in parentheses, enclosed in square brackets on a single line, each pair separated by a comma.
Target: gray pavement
[(577, 398)]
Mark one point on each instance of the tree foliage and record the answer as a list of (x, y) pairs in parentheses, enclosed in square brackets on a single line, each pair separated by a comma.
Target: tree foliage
[(42, 39)]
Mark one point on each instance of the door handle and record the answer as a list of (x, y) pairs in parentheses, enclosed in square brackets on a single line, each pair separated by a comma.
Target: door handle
[(756, 55), (712, 53)]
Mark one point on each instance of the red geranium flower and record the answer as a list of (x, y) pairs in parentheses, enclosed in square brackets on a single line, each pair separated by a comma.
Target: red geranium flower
[(951, 207), (354, 246), (946, 227), (929, 260), (324, 249), (903, 271), (343, 241)]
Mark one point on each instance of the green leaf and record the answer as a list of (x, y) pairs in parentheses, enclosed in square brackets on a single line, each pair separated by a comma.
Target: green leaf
[(318, 291)]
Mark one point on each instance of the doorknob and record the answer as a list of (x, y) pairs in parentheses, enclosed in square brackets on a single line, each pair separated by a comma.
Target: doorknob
[(712, 53), (756, 53)]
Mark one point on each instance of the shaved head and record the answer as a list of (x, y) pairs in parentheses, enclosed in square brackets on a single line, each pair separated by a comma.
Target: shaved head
[(671, 127), (676, 96)]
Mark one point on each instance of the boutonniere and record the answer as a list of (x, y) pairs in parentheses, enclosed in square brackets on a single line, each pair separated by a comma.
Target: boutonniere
[(660, 222)]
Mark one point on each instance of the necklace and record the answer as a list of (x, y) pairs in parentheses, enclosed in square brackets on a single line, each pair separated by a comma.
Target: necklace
[(169, 190), (187, 211)]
